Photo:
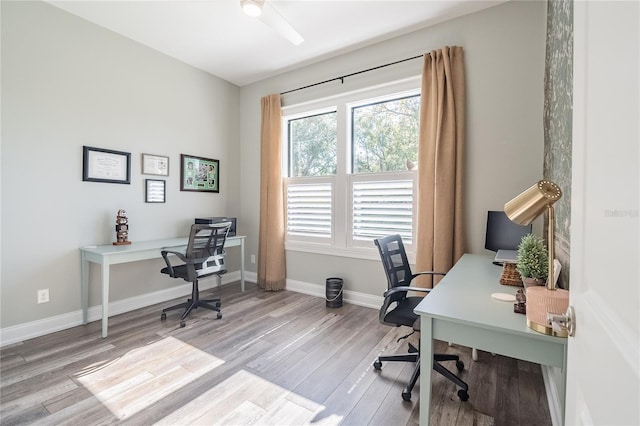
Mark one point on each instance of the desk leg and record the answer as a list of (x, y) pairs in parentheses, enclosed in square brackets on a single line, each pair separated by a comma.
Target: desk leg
[(563, 388), (242, 264), (105, 298), (84, 288), (426, 361)]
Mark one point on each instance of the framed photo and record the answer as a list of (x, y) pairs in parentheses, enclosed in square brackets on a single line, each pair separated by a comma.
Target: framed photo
[(155, 190), (106, 165), (155, 165), (199, 174)]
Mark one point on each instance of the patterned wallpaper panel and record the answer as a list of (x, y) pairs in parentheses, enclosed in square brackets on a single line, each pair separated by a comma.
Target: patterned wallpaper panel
[(558, 111)]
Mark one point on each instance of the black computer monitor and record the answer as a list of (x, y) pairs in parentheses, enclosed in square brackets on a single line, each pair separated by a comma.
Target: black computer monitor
[(502, 233)]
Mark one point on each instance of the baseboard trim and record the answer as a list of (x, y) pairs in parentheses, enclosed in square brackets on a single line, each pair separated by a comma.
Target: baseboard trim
[(29, 330), (553, 395), (352, 297)]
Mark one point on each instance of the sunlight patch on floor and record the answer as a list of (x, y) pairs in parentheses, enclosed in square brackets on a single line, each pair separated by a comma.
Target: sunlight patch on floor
[(147, 374), (245, 398)]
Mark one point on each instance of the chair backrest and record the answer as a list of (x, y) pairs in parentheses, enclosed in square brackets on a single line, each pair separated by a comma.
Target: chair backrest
[(394, 260), (206, 241)]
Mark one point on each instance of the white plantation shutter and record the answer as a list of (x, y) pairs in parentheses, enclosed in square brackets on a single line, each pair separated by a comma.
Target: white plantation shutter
[(309, 207), (382, 208)]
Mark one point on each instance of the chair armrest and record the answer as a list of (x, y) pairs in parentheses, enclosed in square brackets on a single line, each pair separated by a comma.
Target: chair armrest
[(416, 274), (404, 289), (195, 266), (389, 299), (165, 255), (181, 255)]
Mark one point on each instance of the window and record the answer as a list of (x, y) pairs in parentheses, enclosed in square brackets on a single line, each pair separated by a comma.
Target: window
[(312, 145), (385, 135), (350, 170)]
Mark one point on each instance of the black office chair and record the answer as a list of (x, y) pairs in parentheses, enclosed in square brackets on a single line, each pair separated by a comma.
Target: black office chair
[(397, 310), (204, 257)]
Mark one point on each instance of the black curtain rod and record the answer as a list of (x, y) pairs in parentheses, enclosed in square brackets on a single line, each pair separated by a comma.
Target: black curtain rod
[(351, 75)]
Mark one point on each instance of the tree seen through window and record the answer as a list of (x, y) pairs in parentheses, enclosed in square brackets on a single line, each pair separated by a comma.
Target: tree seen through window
[(385, 135)]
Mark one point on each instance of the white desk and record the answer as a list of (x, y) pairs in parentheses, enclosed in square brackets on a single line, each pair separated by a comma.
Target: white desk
[(109, 254), (460, 310)]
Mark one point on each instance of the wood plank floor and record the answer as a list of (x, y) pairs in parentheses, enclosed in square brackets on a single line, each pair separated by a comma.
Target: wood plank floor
[(278, 358)]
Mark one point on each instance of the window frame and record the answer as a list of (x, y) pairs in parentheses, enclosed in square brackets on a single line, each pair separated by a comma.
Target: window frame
[(341, 242)]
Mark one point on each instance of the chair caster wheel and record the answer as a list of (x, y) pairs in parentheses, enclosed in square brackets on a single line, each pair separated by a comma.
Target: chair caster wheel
[(163, 317), (406, 395), (463, 395), (377, 365), (219, 315), (182, 324), (218, 304), (460, 365)]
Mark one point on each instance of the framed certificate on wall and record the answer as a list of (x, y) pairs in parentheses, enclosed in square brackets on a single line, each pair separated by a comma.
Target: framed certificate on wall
[(155, 165), (106, 165)]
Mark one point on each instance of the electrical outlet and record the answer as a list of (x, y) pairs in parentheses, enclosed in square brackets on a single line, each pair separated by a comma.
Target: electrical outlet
[(253, 258), (43, 295)]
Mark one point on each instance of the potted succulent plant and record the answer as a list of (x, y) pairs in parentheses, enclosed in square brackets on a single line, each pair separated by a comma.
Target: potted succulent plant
[(533, 260)]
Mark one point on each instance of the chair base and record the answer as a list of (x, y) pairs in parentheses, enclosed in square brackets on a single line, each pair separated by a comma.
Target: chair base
[(414, 356), (193, 303)]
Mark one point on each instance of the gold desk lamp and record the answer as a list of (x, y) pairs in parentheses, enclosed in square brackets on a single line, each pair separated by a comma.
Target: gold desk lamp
[(523, 210)]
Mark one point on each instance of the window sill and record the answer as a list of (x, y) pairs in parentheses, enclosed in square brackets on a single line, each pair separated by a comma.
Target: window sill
[(351, 252)]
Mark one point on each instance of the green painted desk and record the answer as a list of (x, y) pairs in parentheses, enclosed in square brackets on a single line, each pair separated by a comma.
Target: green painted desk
[(460, 310), (109, 254)]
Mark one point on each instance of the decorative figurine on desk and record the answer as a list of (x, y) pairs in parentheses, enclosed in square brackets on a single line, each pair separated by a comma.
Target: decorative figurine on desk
[(122, 228), (521, 306)]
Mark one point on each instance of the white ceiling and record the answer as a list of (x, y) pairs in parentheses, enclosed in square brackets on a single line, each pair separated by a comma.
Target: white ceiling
[(215, 36)]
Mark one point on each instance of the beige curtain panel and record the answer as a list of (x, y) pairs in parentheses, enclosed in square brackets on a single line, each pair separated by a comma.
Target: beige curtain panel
[(440, 230), (271, 256)]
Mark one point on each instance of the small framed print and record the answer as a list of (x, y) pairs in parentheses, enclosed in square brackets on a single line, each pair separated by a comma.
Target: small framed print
[(199, 174), (155, 165), (155, 190), (105, 165)]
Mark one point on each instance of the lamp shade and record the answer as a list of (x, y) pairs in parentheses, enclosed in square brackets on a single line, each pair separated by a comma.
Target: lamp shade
[(533, 202)]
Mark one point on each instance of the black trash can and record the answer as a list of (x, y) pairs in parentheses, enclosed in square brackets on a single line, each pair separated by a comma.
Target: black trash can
[(334, 292)]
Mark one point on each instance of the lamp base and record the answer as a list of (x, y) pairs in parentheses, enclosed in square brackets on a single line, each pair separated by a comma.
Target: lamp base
[(540, 301)]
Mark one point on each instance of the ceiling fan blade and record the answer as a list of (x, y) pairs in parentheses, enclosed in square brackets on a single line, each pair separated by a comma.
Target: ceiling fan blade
[(272, 17)]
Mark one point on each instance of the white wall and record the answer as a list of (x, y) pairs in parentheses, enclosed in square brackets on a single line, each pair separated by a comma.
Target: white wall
[(68, 83), (504, 60)]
